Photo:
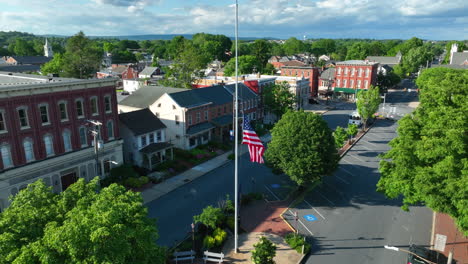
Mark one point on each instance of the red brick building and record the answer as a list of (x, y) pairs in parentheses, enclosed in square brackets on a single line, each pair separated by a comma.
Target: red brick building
[(44, 132), (311, 73), (354, 75)]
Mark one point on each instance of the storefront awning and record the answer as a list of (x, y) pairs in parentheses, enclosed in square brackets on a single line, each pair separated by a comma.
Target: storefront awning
[(346, 90)]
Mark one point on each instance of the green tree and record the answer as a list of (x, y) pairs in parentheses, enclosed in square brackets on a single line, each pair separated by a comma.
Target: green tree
[(186, 67), (82, 58), (247, 63), (388, 80), (323, 46), (352, 130), (23, 48), (303, 147), (210, 217), (108, 46), (358, 51), (412, 43), (264, 252), (340, 136), (294, 46), (269, 69), (107, 225), (428, 161), (417, 57), (278, 99), (261, 51), (367, 103), (277, 49), (54, 66), (376, 48), (448, 47)]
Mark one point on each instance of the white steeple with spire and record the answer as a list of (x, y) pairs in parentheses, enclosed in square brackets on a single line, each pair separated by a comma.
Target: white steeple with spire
[(48, 49)]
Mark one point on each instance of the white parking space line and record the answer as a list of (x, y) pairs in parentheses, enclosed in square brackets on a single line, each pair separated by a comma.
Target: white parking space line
[(363, 140), (356, 157), (345, 170), (315, 209), (343, 180), (366, 147), (302, 224), (325, 198), (272, 193)]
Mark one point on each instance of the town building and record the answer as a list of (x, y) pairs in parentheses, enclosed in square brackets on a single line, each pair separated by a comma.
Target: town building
[(46, 131), (326, 80), (145, 97), (352, 76), (144, 136), (149, 72), (391, 61), (308, 72)]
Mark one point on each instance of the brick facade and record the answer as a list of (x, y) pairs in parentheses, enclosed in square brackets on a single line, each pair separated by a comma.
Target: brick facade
[(355, 75), (311, 73)]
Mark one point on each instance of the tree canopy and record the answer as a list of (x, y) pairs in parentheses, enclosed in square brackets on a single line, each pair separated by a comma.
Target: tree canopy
[(83, 224), (428, 160), (368, 102), (82, 58), (247, 64), (302, 146), (278, 98)]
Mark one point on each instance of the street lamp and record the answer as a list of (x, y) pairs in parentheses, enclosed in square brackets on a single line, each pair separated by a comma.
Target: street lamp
[(330, 81), (409, 252)]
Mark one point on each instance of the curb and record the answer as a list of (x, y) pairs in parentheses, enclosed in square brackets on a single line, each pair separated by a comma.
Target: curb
[(357, 139)]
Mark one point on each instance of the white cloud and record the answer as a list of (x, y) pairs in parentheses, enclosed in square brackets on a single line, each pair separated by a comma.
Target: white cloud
[(274, 18)]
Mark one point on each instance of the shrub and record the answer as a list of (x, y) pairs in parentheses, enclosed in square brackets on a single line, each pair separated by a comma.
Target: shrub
[(219, 235), (296, 242), (209, 242), (231, 156), (230, 222), (136, 182), (264, 252), (123, 172), (210, 217)]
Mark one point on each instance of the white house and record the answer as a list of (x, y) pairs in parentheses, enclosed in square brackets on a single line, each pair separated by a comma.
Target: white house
[(144, 136)]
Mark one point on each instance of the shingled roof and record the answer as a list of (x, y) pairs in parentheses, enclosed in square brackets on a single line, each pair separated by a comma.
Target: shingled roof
[(141, 121), (391, 61), (196, 97), (147, 95), (460, 58)]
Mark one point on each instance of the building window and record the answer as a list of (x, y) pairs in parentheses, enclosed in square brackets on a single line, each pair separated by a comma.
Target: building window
[(254, 116), (193, 141), (366, 84), (66, 136), (346, 71), (3, 127), (107, 104), (28, 150), (158, 136), (198, 117), (159, 105), (344, 83), (359, 84), (110, 130), (23, 117), (44, 111), (351, 83), (63, 111), (143, 140), (49, 145), (79, 108), (151, 138), (206, 114), (177, 120), (83, 138), (352, 71), (94, 106), (339, 71), (359, 72), (338, 82), (189, 119), (173, 107), (6, 156), (107, 167), (367, 72)]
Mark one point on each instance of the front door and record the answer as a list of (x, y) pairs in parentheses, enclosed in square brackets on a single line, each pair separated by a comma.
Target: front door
[(68, 179)]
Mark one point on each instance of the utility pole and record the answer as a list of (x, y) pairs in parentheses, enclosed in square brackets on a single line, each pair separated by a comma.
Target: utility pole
[(95, 133)]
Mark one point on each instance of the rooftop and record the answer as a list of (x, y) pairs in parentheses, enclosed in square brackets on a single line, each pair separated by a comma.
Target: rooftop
[(18, 79), (141, 121), (356, 62), (147, 95)]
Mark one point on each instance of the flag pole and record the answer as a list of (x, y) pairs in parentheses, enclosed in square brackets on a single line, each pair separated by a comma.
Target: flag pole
[(236, 139)]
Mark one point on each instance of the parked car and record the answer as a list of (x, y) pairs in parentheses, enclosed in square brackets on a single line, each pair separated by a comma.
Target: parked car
[(428, 254)]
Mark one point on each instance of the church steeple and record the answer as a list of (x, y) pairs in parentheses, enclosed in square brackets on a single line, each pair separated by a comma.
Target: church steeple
[(48, 49)]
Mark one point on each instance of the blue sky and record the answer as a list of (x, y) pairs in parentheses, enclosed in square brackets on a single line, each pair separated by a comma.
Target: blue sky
[(378, 19)]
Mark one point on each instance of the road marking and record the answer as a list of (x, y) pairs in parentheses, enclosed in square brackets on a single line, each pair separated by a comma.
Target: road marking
[(298, 220), (351, 164), (343, 180), (325, 198), (369, 142), (272, 193), (356, 157), (315, 209), (345, 170)]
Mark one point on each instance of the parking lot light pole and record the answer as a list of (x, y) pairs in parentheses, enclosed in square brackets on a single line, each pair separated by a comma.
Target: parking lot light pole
[(409, 252)]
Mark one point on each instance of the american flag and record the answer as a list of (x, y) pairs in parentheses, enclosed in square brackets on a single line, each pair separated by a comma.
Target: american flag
[(250, 138)]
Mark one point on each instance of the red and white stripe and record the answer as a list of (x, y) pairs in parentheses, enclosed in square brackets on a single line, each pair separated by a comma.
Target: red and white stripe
[(256, 148)]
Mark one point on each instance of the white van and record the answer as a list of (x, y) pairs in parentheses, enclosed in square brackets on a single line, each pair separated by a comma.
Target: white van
[(355, 118)]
